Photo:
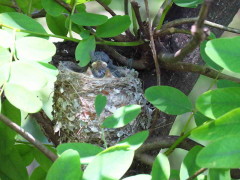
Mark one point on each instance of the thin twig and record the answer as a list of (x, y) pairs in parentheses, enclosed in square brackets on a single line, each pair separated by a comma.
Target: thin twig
[(152, 44), (157, 143), (106, 8), (200, 171), (28, 137), (140, 64), (194, 68), (198, 35), (65, 5), (206, 22), (15, 4), (171, 30), (126, 7), (136, 7)]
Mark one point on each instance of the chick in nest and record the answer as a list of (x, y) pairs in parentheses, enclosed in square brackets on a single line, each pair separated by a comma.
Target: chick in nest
[(100, 69), (102, 66)]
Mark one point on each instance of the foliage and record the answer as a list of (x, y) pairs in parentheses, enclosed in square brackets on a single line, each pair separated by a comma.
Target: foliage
[(25, 51)]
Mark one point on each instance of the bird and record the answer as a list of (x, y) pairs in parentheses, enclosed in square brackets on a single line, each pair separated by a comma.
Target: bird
[(100, 69), (102, 66)]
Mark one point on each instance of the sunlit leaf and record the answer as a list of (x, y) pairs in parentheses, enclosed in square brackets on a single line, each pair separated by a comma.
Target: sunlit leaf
[(6, 39), (139, 177), (109, 163), (161, 168), (66, 167), (34, 49), (136, 140), (114, 26), (84, 49), (223, 153), (215, 103), (86, 151), (122, 116), (226, 125), (168, 99), (189, 166), (21, 21), (52, 7), (100, 103), (88, 19), (219, 174), (225, 52), (22, 98)]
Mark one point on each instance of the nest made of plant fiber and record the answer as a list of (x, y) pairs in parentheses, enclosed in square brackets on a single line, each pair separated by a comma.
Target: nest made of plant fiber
[(74, 113)]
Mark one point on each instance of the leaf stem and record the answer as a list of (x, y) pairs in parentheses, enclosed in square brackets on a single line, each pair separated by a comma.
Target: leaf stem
[(177, 142), (110, 43)]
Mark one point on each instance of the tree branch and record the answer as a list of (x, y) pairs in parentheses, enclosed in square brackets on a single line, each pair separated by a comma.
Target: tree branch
[(136, 7), (194, 68), (191, 20), (152, 44), (198, 35), (200, 171), (28, 137), (106, 8), (161, 142)]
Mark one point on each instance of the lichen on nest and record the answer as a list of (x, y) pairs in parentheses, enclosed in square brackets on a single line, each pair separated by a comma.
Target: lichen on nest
[(74, 115)]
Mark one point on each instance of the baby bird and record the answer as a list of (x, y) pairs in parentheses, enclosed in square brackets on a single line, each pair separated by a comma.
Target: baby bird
[(100, 69)]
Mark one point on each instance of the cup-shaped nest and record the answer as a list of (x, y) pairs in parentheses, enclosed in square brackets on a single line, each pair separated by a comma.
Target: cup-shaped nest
[(74, 114)]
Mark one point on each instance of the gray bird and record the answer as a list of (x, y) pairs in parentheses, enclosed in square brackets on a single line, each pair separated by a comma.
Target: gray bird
[(102, 64)]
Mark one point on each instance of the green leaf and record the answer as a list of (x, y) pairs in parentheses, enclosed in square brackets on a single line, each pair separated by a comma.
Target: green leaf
[(26, 75), (219, 174), (81, 8), (5, 55), (7, 135), (52, 7), (26, 153), (207, 59), (226, 125), (57, 24), (38, 174), (200, 118), (139, 177), (34, 49), (4, 71), (223, 153), (174, 174), (78, 1), (12, 166), (225, 52), (189, 166), (110, 164), (122, 116), (135, 141), (161, 168), (6, 39), (215, 103), (86, 151), (67, 166), (114, 26), (168, 99), (226, 83), (45, 162), (22, 98), (4, 9), (88, 19), (21, 21), (188, 3), (107, 2), (84, 49), (100, 103)]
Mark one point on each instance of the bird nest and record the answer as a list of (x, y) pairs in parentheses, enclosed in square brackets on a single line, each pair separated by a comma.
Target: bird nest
[(74, 115)]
